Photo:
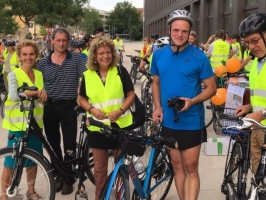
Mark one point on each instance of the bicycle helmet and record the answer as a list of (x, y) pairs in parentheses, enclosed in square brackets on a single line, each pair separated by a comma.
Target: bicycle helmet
[(87, 37), (180, 15), (9, 43), (163, 41), (155, 36), (255, 23)]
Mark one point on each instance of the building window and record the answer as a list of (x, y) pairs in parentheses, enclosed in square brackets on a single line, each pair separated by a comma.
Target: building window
[(251, 2), (227, 5)]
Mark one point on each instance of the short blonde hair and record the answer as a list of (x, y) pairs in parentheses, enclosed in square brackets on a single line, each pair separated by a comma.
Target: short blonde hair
[(101, 41), (27, 43)]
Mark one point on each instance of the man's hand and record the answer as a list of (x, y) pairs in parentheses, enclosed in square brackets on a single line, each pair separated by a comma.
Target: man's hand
[(241, 110), (188, 103), (99, 114), (258, 116), (114, 115), (157, 116)]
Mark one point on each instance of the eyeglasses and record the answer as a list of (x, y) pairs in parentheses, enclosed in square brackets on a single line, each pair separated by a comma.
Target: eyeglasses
[(105, 53), (252, 41)]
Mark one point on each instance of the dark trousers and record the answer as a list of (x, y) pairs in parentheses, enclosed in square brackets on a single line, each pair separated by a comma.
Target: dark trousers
[(62, 115)]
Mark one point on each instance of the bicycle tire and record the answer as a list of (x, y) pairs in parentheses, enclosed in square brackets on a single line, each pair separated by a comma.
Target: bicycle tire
[(2, 106), (160, 170), (44, 182), (233, 164), (133, 74), (124, 185), (208, 114)]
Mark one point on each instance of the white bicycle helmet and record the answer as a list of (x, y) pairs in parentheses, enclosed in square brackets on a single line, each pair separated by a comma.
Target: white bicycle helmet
[(163, 41), (180, 14)]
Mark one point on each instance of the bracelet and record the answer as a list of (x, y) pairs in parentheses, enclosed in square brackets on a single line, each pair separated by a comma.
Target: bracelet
[(90, 109), (122, 110)]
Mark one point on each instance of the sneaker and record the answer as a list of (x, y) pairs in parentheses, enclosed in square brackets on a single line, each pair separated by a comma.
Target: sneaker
[(58, 184), (67, 189)]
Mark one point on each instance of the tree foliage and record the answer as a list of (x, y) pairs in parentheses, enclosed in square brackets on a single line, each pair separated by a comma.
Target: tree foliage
[(43, 31), (7, 23), (48, 12), (127, 20), (91, 21)]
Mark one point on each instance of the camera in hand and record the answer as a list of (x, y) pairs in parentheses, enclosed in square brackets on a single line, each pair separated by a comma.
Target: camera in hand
[(176, 103)]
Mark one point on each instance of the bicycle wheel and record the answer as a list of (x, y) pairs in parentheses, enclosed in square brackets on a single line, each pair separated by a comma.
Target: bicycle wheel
[(121, 57), (89, 161), (120, 187), (2, 105), (133, 74), (160, 171), (43, 182), (235, 167), (208, 114)]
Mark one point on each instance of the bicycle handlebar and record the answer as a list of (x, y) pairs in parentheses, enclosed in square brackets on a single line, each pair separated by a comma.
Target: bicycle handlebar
[(23, 88), (243, 122), (170, 142)]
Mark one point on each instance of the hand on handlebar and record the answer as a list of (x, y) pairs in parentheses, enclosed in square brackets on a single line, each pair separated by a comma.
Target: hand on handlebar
[(114, 115), (242, 110), (99, 114), (258, 116), (42, 95)]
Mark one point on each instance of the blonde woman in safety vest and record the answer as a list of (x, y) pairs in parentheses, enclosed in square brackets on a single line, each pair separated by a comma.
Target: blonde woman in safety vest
[(248, 59), (253, 29), (15, 120), (106, 99), (236, 47), (10, 60)]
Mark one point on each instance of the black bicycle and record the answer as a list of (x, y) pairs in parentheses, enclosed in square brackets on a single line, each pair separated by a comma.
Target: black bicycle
[(3, 93), (80, 167), (257, 190), (135, 60)]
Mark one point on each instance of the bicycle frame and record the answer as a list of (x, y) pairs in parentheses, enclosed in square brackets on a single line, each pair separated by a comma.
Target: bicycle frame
[(142, 190)]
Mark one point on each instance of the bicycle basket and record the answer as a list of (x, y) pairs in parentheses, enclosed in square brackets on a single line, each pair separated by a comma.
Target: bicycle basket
[(133, 147), (220, 125)]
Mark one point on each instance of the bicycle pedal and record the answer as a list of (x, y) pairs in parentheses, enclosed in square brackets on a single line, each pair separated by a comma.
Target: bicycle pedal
[(70, 152), (82, 194)]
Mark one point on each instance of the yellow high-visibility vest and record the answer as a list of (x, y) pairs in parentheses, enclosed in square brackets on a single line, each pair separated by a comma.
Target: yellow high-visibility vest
[(142, 52), (14, 119), (118, 44), (257, 86), (13, 61), (250, 63), (221, 50), (239, 53), (86, 52), (108, 97)]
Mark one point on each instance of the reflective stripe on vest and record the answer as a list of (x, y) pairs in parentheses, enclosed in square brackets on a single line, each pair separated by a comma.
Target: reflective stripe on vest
[(221, 51), (108, 97), (239, 53), (257, 84), (118, 44), (13, 61), (14, 119)]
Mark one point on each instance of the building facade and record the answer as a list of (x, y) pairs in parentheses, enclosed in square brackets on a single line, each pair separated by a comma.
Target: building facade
[(209, 15)]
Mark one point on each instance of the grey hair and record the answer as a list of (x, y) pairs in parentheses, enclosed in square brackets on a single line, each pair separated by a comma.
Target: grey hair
[(60, 30)]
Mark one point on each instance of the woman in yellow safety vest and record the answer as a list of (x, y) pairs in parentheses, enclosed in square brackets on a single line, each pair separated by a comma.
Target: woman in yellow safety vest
[(236, 47), (107, 99), (10, 60), (15, 120)]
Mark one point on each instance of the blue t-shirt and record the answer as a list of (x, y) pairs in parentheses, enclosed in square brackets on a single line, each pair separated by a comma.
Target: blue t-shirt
[(180, 76)]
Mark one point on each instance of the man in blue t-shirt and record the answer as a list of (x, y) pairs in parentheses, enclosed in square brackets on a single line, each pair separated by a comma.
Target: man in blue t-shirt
[(178, 70)]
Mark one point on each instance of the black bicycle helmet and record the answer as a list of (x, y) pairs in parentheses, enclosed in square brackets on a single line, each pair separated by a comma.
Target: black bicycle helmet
[(87, 37), (255, 23), (79, 44), (9, 43), (155, 36)]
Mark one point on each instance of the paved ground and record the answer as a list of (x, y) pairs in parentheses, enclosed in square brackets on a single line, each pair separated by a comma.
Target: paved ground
[(210, 167)]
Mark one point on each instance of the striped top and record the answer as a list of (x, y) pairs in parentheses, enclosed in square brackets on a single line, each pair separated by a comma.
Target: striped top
[(61, 81)]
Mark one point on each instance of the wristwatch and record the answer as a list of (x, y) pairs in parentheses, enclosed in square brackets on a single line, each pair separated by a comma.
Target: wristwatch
[(264, 113)]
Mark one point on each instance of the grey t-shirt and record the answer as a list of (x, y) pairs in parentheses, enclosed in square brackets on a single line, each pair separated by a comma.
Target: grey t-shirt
[(7, 63)]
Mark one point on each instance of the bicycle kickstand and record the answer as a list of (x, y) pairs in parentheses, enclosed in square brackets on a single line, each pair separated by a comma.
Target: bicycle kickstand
[(81, 189)]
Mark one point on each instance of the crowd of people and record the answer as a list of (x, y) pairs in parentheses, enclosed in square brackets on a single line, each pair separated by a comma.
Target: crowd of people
[(86, 72)]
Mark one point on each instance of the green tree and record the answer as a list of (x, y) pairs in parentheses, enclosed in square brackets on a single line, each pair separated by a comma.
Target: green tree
[(43, 31), (48, 12), (7, 23), (126, 20), (91, 21)]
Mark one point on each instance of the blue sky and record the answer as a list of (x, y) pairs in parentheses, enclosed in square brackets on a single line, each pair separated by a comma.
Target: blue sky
[(110, 4)]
